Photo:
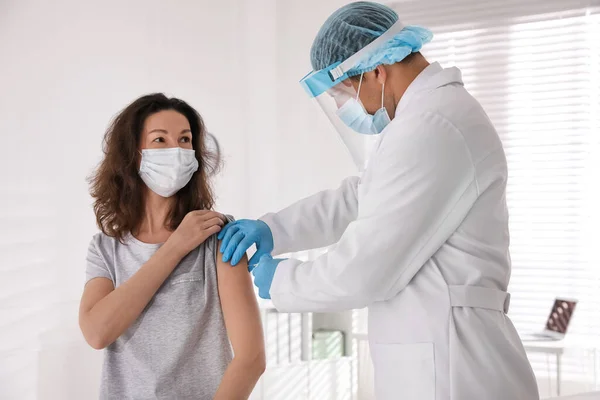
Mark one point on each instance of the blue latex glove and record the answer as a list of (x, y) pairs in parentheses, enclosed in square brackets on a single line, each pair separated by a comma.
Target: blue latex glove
[(264, 273), (238, 236)]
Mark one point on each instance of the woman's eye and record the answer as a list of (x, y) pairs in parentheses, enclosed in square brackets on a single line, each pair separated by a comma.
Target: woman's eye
[(186, 139), (158, 140)]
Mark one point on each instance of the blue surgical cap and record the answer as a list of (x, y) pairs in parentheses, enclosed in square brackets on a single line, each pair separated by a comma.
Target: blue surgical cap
[(353, 27)]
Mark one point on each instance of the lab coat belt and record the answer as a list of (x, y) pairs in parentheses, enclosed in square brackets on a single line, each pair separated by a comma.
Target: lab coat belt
[(479, 297)]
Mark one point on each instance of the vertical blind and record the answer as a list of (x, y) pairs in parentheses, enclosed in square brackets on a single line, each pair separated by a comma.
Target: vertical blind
[(535, 67)]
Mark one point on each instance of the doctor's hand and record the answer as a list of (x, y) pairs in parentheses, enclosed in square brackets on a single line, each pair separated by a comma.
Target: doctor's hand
[(264, 273), (238, 236)]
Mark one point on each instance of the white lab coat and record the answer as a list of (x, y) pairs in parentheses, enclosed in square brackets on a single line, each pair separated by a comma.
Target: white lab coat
[(422, 240)]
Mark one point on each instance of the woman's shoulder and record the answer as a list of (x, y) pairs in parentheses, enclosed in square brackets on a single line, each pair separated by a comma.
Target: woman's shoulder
[(101, 241), (212, 243), (101, 237)]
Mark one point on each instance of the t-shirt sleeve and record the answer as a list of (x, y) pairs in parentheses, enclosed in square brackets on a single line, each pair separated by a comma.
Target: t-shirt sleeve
[(96, 266), (212, 243)]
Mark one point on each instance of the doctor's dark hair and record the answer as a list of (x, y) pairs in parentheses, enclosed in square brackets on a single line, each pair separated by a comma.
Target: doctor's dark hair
[(116, 186)]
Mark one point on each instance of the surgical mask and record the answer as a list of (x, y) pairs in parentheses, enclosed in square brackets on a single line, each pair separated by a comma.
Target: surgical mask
[(166, 171), (354, 115)]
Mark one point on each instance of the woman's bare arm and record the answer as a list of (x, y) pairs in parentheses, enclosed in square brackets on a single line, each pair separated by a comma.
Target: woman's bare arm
[(244, 328), (105, 312)]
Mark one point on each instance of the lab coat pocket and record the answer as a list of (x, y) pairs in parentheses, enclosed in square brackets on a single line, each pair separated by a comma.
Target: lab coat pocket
[(404, 371)]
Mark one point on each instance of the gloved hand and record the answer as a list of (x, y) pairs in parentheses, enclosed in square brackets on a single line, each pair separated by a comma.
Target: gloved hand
[(238, 236), (264, 273)]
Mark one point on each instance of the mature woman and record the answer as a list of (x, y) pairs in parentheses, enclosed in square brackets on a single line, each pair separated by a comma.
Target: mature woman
[(158, 295)]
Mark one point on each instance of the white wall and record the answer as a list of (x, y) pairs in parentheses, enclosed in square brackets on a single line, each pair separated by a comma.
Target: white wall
[(320, 159)]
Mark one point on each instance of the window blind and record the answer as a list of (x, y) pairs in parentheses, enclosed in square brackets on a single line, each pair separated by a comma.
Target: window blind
[(535, 67)]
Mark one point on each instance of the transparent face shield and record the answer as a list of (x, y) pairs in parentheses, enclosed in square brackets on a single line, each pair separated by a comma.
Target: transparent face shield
[(337, 97), (342, 106)]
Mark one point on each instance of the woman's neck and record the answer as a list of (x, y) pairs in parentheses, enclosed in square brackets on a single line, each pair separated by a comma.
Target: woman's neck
[(154, 225)]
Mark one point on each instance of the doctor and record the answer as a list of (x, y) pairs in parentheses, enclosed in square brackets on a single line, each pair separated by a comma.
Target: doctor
[(421, 238)]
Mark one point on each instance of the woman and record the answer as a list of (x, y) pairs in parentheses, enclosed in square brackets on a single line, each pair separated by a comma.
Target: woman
[(158, 295)]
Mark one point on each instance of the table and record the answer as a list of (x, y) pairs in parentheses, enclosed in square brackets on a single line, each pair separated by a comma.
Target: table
[(582, 396), (556, 348)]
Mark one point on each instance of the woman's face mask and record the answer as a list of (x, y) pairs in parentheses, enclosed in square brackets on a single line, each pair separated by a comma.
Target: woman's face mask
[(166, 171)]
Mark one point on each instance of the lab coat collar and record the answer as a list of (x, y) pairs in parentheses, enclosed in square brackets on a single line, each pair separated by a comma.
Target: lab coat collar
[(432, 77)]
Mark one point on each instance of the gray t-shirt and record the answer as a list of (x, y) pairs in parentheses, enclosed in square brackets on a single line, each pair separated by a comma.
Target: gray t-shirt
[(178, 347)]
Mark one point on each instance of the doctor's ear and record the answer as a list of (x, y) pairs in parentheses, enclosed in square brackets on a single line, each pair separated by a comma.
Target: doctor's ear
[(380, 74)]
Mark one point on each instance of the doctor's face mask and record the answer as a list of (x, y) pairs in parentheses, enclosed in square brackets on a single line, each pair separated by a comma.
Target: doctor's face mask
[(355, 115)]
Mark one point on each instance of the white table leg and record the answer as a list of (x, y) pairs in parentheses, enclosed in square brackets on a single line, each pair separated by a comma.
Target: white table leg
[(306, 338), (595, 370), (355, 369), (558, 368)]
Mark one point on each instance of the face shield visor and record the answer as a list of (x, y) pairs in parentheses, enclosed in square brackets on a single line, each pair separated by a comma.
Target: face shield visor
[(338, 98)]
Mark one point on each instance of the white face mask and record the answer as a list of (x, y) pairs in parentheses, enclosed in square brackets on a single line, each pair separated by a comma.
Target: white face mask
[(166, 171)]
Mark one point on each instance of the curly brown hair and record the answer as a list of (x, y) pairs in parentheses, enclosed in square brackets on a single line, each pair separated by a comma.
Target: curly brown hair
[(116, 186)]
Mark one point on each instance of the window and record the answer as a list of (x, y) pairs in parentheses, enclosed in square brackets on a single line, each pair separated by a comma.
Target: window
[(535, 67)]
